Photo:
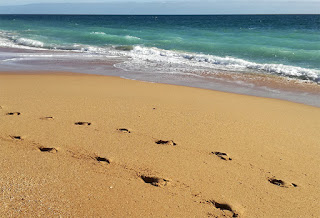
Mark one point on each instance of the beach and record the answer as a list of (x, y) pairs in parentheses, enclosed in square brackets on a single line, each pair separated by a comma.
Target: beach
[(273, 56), (79, 145)]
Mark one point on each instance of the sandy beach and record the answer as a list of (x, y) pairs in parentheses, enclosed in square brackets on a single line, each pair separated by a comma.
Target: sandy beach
[(77, 145)]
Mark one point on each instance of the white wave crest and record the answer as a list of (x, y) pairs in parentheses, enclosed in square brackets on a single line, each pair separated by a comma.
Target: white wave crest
[(10, 40), (132, 37), (164, 60), (98, 33), (29, 42), (6, 42), (160, 60)]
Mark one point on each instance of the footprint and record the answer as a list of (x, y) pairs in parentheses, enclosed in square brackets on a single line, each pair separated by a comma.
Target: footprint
[(224, 207), (14, 113), (222, 156), (82, 123), (155, 181), (281, 183), (15, 137), (162, 142), (124, 130), (46, 118), (47, 149), (102, 159)]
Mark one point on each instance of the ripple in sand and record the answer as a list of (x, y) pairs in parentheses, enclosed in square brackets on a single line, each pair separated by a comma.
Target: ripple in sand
[(155, 181), (47, 149), (223, 207), (124, 130), (221, 155), (82, 123), (281, 183), (15, 137), (164, 142), (102, 159), (46, 118), (13, 113)]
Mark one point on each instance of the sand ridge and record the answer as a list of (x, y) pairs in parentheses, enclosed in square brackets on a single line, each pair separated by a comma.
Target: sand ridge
[(104, 146)]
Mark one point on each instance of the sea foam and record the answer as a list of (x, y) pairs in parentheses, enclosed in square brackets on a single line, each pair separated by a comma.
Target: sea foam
[(152, 59), (132, 37), (165, 60), (98, 33), (29, 42)]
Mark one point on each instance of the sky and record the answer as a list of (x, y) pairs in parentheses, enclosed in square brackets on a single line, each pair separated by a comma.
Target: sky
[(160, 6), (23, 2)]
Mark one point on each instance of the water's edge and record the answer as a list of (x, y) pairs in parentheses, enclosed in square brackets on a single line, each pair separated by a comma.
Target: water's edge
[(267, 86)]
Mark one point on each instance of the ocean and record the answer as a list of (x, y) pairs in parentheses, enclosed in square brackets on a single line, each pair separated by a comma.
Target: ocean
[(183, 50)]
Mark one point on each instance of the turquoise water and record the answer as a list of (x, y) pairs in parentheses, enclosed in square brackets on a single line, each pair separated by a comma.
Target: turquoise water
[(285, 45)]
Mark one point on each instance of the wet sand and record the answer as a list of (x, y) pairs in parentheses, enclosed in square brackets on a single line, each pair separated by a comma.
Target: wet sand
[(77, 145), (252, 83)]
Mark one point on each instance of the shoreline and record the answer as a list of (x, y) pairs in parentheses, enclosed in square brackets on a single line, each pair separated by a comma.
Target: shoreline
[(252, 56), (276, 82), (87, 145), (253, 84)]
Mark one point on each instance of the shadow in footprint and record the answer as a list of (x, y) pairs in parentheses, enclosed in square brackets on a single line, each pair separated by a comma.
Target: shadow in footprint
[(223, 207), (221, 155), (281, 183), (163, 142), (82, 123), (48, 149), (14, 113), (102, 159), (124, 130), (15, 137), (155, 181), (46, 118)]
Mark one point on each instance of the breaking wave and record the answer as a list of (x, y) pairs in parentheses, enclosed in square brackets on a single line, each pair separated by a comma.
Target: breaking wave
[(153, 59), (165, 60)]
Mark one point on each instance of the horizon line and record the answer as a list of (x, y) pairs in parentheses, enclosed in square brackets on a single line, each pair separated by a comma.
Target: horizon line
[(157, 14)]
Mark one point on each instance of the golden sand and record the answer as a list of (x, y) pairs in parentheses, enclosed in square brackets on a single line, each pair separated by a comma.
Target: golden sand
[(76, 145)]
